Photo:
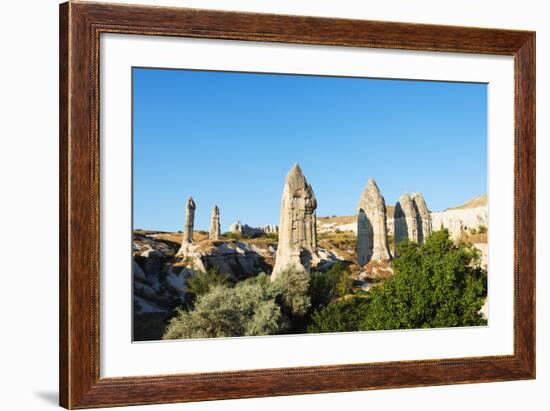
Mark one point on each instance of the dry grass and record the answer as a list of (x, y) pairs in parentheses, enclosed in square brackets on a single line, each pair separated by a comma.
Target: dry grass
[(347, 219), (474, 202), (342, 243), (379, 269), (261, 242), (477, 238), (175, 238)]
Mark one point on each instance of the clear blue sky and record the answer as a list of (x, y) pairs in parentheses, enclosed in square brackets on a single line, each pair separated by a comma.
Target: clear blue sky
[(230, 138)]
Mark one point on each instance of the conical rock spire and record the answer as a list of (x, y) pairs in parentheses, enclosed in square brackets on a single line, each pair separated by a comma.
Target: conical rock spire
[(424, 217), (215, 230), (188, 228), (405, 220), (298, 224), (372, 236)]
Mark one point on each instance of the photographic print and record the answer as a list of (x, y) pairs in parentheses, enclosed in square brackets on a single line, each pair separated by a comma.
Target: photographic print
[(274, 204)]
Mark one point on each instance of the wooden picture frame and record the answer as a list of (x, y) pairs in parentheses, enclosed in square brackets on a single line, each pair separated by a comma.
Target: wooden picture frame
[(80, 27)]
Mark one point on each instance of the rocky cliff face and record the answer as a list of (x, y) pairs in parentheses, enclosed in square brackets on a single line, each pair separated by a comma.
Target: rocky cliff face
[(457, 221), (159, 285), (160, 275)]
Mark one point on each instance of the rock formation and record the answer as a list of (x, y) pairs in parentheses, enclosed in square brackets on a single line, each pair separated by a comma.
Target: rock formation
[(245, 229), (372, 238), (457, 221), (297, 245), (188, 228), (236, 228), (424, 217), (405, 220), (214, 232)]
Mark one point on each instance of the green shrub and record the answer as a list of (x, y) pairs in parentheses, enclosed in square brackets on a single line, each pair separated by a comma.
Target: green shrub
[(200, 283), (293, 285), (249, 308), (339, 316), (330, 285), (438, 284)]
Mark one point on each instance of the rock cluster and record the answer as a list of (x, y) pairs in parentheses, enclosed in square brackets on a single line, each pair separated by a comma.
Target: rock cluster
[(236, 228), (158, 285), (234, 259), (297, 245), (297, 232), (245, 229), (458, 221), (372, 237), (412, 219)]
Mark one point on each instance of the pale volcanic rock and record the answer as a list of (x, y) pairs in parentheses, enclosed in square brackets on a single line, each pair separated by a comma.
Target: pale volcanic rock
[(372, 238), (236, 228), (246, 230), (424, 217), (297, 246), (457, 221), (215, 231), (188, 228), (234, 259), (405, 220)]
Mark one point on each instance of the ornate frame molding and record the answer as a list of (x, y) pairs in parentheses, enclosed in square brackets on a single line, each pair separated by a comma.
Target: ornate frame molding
[(81, 24)]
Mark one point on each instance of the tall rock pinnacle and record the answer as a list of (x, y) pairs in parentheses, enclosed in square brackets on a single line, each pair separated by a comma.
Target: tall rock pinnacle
[(424, 217), (215, 231), (188, 228), (372, 236), (405, 220), (298, 224)]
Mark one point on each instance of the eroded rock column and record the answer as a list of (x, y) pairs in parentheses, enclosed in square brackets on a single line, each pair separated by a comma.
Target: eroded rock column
[(298, 224), (424, 217), (188, 228), (372, 236), (215, 230), (405, 220)]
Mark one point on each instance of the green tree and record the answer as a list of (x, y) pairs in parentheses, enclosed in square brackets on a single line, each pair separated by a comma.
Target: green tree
[(438, 284), (249, 308), (343, 315), (327, 286)]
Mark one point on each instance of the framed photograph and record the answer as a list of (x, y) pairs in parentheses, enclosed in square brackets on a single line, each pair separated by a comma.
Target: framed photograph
[(260, 205)]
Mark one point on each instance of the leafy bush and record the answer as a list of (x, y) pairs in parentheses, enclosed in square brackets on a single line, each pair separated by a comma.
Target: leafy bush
[(200, 283), (340, 316), (327, 286), (438, 284), (249, 308), (293, 285)]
